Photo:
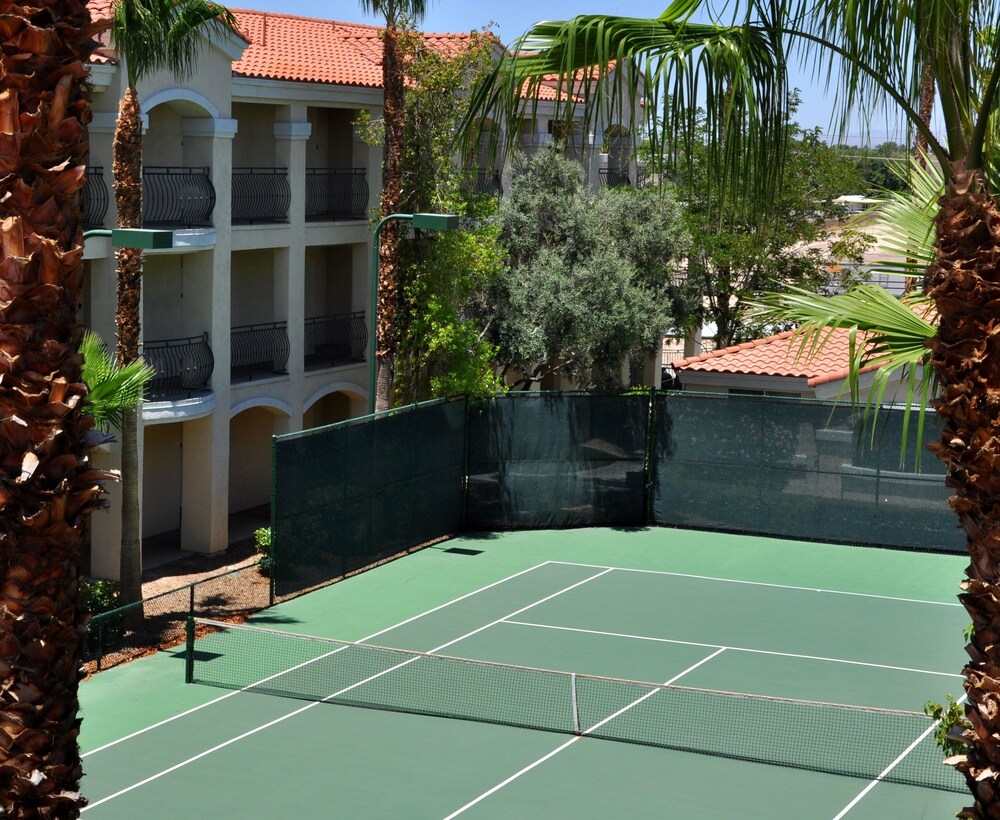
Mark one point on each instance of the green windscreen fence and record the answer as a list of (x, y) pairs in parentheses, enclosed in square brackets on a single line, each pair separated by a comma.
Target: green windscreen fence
[(350, 494), (347, 495), (798, 469), (557, 460)]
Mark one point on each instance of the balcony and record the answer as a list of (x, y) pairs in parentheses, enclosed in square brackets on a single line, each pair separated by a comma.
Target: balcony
[(94, 198), (336, 193), (335, 340), (183, 367), (484, 182), (177, 197), (260, 195), (258, 351), (614, 177)]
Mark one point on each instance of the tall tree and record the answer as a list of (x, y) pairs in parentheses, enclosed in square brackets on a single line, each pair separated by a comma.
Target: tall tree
[(47, 488), (391, 199), (874, 51), (147, 36)]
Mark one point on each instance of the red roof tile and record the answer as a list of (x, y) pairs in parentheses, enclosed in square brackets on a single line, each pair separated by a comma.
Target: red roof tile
[(305, 49), (778, 356)]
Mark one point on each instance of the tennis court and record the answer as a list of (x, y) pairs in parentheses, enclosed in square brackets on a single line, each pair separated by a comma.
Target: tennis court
[(778, 622)]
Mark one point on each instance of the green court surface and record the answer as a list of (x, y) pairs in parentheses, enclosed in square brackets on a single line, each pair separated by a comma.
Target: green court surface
[(780, 619)]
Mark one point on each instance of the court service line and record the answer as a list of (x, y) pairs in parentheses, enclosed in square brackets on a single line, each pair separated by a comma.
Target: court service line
[(860, 796), (734, 648), (575, 738), (762, 584), (340, 692), (359, 640)]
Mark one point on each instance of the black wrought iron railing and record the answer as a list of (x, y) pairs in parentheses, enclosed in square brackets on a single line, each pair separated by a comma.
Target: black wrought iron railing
[(336, 193), (183, 366), (180, 197), (484, 182), (94, 197), (260, 195), (333, 340), (614, 177), (258, 351)]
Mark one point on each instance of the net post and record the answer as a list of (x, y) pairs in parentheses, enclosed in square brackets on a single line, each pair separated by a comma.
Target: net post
[(189, 651), (576, 710)]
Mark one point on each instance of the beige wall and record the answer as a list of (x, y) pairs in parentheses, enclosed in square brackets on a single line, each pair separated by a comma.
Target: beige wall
[(329, 280), (328, 410), (250, 459), (161, 483), (252, 289), (253, 146), (331, 143)]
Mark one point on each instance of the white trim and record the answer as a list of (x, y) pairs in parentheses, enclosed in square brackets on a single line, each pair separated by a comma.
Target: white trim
[(218, 127), (292, 130), (260, 401), (334, 387), (231, 43), (166, 95), (330, 95), (103, 122), (169, 412), (101, 75)]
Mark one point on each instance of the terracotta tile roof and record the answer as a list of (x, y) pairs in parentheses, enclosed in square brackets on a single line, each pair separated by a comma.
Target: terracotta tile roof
[(778, 356), (305, 49)]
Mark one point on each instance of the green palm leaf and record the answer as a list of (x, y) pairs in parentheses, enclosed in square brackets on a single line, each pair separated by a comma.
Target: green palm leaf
[(112, 388)]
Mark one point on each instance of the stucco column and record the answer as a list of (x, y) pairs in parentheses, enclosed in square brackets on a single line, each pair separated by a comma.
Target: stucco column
[(291, 139)]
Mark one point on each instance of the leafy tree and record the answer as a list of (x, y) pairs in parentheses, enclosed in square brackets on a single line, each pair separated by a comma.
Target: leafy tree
[(147, 36), (441, 349), (49, 489), (875, 53), (878, 166), (741, 253), (585, 287)]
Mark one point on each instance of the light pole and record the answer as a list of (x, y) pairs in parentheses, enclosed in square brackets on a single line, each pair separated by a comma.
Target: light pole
[(432, 222)]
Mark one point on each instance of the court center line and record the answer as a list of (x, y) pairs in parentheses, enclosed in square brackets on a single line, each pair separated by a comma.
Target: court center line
[(359, 640), (734, 648), (308, 706), (860, 796), (574, 739), (763, 584)]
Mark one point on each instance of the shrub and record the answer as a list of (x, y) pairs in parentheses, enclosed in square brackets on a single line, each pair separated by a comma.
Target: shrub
[(262, 544)]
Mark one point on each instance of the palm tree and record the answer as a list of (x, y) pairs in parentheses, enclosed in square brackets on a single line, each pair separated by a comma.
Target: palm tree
[(111, 388), (874, 51), (391, 199), (48, 487), (147, 36)]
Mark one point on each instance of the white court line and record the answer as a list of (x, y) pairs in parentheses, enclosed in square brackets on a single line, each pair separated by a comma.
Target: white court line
[(890, 767), (761, 584), (360, 640), (575, 738), (734, 648), (308, 706)]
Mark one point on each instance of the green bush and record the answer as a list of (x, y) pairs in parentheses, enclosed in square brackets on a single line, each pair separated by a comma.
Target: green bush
[(99, 595), (262, 544)]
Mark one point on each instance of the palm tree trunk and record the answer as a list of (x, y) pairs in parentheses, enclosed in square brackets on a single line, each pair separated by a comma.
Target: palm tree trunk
[(128, 198), (48, 487), (964, 282), (390, 203)]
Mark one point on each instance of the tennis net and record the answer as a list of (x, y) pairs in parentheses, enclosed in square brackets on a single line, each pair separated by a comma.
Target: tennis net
[(890, 745)]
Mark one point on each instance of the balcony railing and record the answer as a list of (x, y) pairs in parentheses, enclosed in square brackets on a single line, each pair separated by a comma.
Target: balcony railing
[(258, 351), (336, 193), (94, 198), (614, 177), (333, 340), (260, 195), (484, 182), (183, 366), (177, 197)]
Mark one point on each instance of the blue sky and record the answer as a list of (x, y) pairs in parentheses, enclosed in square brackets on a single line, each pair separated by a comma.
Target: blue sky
[(513, 17)]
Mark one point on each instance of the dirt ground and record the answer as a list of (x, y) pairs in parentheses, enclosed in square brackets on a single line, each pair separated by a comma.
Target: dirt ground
[(195, 567)]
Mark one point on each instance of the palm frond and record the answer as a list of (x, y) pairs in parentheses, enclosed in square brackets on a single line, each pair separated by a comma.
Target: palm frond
[(887, 335), (151, 35), (660, 68), (112, 388)]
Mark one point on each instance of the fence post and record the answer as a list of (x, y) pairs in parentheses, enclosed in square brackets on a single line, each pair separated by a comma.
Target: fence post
[(650, 465), (189, 651), (191, 599)]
